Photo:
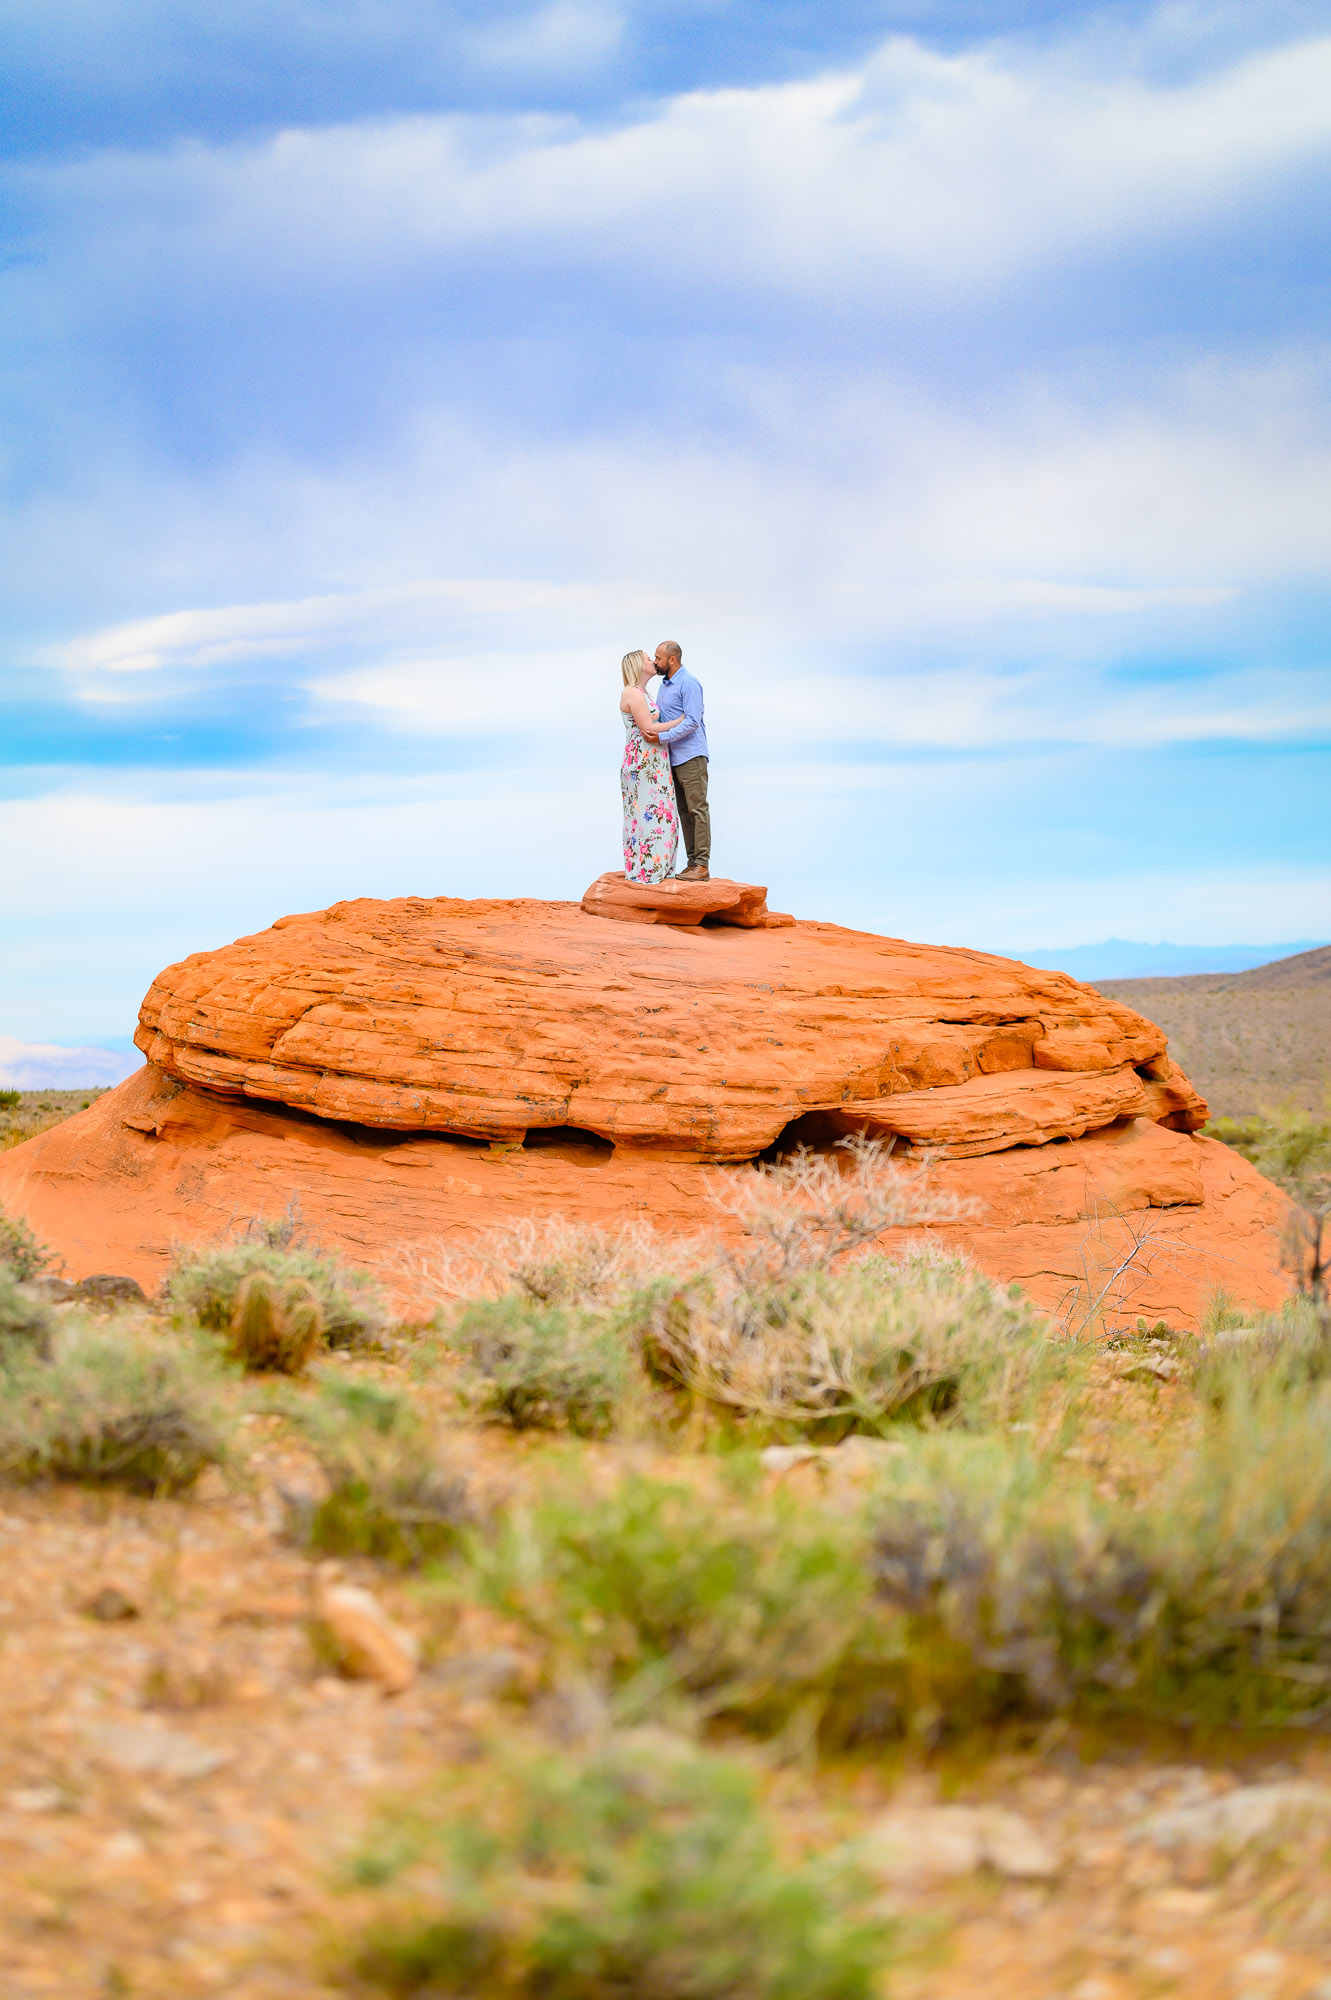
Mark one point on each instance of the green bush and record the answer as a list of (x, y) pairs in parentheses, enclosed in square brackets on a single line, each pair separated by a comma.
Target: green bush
[(1204, 1599), (205, 1284), (537, 1367), (20, 1252), (1245, 1352), (977, 1579), (10, 1099), (27, 1324), (646, 1869), (825, 1353), (388, 1496), (114, 1410), (748, 1605)]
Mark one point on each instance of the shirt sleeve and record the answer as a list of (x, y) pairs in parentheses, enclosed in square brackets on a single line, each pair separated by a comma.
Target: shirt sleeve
[(691, 699)]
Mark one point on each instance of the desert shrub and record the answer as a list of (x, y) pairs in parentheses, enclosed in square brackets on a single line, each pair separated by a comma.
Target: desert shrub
[(978, 1577), (1242, 1353), (114, 1410), (647, 1867), (1245, 1135), (539, 1367), (205, 1283), (823, 1352), (10, 1099), (550, 1262), (809, 1212), (20, 1252), (388, 1494), (746, 1605), (1292, 1147), (27, 1324), (275, 1326), (1205, 1599)]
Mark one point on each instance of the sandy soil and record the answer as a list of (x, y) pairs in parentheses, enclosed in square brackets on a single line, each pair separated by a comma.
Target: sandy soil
[(178, 1785)]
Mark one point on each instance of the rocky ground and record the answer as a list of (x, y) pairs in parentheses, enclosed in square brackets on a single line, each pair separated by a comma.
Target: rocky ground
[(182, 1775)]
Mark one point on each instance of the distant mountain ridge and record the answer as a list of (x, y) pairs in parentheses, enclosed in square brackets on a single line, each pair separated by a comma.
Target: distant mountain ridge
[(1119, 958)]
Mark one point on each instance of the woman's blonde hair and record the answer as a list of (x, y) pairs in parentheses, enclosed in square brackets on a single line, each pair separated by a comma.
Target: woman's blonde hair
[(631, 667)]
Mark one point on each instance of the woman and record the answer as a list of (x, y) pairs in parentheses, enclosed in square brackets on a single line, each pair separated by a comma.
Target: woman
[(651, 818)]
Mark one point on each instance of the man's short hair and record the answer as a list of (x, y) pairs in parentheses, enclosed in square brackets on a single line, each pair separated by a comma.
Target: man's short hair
[(670, 647)]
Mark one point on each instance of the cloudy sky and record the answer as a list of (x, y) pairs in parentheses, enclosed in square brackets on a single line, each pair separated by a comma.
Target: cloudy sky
[(950, 377)]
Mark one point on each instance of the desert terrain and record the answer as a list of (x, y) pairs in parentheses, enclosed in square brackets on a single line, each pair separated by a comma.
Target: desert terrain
[(1250, 1040), (741, 1584)]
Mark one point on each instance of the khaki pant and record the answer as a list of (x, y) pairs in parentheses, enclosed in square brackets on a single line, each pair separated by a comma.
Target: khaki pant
[(694, 818)]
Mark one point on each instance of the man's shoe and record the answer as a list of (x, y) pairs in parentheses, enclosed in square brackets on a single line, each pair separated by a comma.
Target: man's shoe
[(697, 873)]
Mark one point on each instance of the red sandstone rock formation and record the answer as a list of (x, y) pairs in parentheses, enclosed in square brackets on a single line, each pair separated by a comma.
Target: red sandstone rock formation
[(355, 1057), (718, 901)]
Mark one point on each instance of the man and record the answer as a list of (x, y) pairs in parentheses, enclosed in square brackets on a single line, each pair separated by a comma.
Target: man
[(680, 695)]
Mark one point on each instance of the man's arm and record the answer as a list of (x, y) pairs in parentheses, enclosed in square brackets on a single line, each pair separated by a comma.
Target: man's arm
[(691, 718)]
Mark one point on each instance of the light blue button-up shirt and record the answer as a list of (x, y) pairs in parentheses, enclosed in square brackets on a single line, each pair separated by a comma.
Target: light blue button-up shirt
[(682, 695)]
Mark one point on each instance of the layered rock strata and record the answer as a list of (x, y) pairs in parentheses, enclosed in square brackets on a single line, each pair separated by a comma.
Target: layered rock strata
[(492, 1020), (414, 1071)]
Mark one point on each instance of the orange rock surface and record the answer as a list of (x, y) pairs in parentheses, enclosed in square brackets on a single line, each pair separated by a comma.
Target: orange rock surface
[(413, 1071), (674, 902), (493, 1020)]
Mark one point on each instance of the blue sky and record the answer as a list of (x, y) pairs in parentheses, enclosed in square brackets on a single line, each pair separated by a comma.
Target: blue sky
[(951, 379)]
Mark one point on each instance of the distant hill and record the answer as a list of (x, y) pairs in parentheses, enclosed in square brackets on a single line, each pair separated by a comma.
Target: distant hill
[(49, 1066), (1117, 958), (1249, 1040)]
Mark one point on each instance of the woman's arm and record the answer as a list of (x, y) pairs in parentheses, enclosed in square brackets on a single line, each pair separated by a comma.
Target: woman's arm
[(640, 709)]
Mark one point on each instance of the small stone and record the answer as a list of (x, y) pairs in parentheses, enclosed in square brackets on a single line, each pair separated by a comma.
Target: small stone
[(1238, 1818), (35, 1799), (110, 1605), (1015, 1847), (1260, 1966), (366, 1642), (150, 1749), (783, 1457), (109, 1289), (123, 1846), (957, 1840)]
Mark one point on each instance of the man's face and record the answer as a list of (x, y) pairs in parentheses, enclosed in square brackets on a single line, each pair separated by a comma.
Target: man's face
[(662, 663)]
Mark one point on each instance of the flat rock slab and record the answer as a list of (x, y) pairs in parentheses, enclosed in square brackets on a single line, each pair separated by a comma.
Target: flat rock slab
[(494, 1020), (718, 901)]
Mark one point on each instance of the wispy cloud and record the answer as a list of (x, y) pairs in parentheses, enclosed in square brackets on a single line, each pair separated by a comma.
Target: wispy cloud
[(960, 401)]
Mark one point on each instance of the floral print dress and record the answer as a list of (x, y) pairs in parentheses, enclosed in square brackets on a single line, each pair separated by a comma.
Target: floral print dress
[(651, 818)]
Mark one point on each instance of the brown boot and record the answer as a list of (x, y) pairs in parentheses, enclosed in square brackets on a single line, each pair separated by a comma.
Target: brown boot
[(695, 872)]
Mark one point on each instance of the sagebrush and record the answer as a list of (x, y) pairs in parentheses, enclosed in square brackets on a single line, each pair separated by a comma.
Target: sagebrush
[(388, 1493), (123, 1409), (205, 1282), (646, 1867), (20, 1252)]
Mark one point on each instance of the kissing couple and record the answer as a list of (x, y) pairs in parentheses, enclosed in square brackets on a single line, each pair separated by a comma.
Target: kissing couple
[(663, 778)]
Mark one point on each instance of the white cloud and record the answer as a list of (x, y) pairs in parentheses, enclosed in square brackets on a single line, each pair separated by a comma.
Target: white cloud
[(47, 1066), (929, 171), (220, 635)]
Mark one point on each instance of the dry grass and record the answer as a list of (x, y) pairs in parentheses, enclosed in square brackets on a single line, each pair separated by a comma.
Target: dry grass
[(40, 1110)]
